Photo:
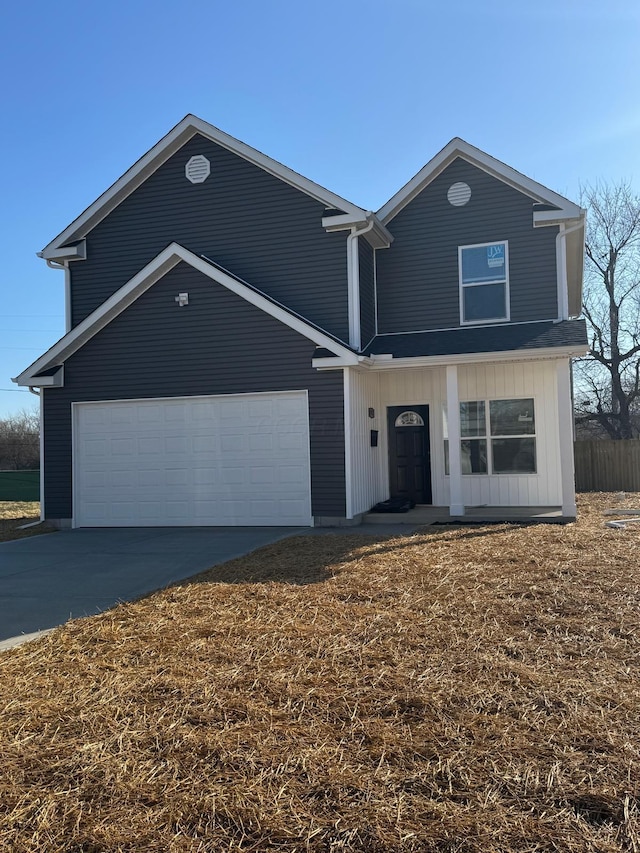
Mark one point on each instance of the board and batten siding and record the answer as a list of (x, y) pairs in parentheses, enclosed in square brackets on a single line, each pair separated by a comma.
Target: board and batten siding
[(217, 344), (517, 380), (487, 381), (248, 221), (417, 280), (367, 291), (367, 481)]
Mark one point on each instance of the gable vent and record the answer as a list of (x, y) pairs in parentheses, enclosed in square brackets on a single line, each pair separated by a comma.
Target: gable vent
[(459, 194), (198, 169)]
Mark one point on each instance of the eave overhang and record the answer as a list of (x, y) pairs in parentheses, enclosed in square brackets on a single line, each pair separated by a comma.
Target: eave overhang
[(141, 282), (545, 353), (377, 236)]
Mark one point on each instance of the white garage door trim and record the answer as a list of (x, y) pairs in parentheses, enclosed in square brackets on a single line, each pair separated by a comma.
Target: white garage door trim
[(273, 491)]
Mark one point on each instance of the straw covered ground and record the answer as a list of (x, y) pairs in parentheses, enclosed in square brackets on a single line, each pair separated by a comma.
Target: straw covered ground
[(472, 688), (13, 514)]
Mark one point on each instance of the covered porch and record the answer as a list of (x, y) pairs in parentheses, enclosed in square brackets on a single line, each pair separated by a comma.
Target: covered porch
[(425, 515), (496, 439)]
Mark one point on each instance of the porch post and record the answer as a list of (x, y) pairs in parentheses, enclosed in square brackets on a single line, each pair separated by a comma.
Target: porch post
[(456, 505), (565, 433)]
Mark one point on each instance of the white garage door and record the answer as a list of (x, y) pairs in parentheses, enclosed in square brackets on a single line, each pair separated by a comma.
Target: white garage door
[(234, 460)]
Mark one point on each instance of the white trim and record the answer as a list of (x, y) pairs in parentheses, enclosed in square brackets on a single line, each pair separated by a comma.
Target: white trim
[(78, 403), (375, 292), (459, 148), (384, 361), (561, 274), (353, 288), (544, 353), (542, 218), (67, 253), (142, 281), (67, 297), (353, 283), (456, 502), (54, 381), (348, 454), (488, 437), (565, 437), (461, 285), (376, 234), (41, 441), (160, 153), (342, 222)]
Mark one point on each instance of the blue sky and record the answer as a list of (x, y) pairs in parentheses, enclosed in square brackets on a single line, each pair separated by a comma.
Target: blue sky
[(355, 95)]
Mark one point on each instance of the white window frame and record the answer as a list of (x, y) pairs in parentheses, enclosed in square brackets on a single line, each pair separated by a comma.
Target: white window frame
[(505, 280), (488, 437)]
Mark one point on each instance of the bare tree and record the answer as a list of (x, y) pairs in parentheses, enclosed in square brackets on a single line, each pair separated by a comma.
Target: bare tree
[(608, 379), (20, 441)]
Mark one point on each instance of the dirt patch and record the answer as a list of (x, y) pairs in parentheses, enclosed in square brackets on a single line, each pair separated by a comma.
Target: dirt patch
[(13, 514), (461, 689)]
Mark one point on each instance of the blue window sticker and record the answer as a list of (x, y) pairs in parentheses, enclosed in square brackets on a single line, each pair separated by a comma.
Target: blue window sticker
[(495, 255)]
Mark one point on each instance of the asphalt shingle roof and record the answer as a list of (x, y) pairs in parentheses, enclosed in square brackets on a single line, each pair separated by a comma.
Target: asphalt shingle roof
[(470, 339)]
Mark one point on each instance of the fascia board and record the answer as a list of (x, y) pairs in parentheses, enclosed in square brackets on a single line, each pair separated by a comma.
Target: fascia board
[(544, 353), (379, 237), (55, 381), (342, 222), (142, 281), (575, 269), (459, 148), (66, 253), (332, 363), (160, 153), (555, 217)]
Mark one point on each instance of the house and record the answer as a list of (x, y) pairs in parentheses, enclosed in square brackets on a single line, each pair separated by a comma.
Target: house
[(245, 347)]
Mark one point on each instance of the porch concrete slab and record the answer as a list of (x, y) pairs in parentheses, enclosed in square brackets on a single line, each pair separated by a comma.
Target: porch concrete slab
[(45, 580), (422, 515)]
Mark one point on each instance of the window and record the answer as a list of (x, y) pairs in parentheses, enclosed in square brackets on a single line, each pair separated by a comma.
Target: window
[(496, 437), (484, 282)]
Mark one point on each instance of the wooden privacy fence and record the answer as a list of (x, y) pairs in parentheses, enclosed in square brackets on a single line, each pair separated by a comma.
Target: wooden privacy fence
[(19, 485), (608, 466)]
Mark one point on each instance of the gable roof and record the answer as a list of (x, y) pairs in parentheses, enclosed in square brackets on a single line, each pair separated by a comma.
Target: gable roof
[(161, 152), (561, 208), (148, 276)]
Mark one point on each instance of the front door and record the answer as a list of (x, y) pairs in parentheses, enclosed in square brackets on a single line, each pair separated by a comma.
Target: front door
[(409, 453)]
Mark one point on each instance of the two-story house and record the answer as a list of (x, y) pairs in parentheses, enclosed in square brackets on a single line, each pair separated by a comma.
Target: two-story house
[(245, 347)]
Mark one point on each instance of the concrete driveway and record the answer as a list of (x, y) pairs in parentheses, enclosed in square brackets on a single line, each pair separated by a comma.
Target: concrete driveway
[(48, 579)]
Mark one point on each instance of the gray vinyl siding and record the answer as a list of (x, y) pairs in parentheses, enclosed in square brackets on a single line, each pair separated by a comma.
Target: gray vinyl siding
[(243, 218), (218, 344), (417, 277), (367, 291)]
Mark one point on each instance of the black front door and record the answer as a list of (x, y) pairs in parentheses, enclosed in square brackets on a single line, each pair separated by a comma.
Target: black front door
[(409, 453)]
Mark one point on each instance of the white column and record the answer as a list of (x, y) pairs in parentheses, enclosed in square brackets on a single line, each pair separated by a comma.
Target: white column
[(348, 433), (456, 505), (565, 433)]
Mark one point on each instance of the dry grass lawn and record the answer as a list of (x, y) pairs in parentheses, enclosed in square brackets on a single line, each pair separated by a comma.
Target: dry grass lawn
[(13, 514), (469, 689)]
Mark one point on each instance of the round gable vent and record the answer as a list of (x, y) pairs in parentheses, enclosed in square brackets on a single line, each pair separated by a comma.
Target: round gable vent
[(198, 169), (459, 194)]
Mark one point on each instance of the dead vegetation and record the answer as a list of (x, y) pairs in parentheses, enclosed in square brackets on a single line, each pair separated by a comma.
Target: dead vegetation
[(464, 689), (13, 514)]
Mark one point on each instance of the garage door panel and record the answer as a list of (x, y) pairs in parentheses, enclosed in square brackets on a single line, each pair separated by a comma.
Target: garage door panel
[(237, 460)]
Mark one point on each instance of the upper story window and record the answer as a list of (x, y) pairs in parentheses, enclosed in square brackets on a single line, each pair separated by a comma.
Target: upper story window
[(484, 282)]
